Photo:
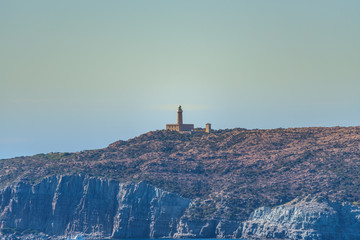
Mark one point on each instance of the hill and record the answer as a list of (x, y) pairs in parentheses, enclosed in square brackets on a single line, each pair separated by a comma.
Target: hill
[(229, 173)]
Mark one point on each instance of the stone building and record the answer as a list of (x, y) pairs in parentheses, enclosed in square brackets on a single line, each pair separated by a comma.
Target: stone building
[(181, 127), (208, 127)]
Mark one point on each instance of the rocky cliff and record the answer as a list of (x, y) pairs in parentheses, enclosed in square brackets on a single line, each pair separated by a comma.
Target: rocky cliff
[(219, 184), (62, 206), (309, 218), (65, 205)]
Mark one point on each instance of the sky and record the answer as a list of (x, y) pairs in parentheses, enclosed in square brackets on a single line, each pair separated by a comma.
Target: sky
[(78, 75)]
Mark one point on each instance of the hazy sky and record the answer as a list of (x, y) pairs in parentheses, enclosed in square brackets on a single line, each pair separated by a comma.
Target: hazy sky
[(78, 75)]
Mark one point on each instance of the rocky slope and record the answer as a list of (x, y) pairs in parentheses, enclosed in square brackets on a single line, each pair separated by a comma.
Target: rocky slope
[(226, 175)]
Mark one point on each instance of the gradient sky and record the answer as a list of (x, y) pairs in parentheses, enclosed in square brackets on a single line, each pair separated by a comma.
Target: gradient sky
[(78, 75)]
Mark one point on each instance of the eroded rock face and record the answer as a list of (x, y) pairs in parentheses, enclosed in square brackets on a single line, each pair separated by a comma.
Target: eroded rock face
[(96, 207), (305, 219), (62, 205)]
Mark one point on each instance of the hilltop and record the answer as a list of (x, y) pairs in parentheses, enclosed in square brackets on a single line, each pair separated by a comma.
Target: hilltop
[(237, 169)]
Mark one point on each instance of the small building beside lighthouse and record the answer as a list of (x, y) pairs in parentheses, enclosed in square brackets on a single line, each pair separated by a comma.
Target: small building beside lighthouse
[(208, 128), (180, 126)]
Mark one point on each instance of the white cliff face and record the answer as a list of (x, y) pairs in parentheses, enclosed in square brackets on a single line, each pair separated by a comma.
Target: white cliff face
[(207, 228), (65, 205), (305, 219)]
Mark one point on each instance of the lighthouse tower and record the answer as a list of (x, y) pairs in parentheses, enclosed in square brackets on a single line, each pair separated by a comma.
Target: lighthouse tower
[(179, 116), (180, 126)]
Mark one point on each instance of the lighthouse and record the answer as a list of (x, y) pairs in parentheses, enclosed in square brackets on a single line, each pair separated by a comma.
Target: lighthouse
[(179, 116), (180, 126)]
